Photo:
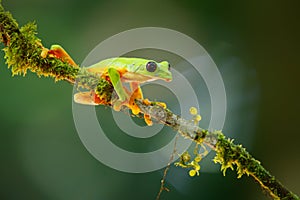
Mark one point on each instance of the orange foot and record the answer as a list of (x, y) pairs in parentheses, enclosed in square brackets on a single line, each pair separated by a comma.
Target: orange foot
[(136, 110), (137, 94), (57, 51), (148, 120), (147, 117)]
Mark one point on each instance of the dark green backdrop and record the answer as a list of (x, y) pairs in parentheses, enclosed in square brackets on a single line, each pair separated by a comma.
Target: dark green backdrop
[(255, 44)]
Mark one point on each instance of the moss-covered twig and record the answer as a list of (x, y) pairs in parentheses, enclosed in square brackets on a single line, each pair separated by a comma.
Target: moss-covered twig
[(24, 51)]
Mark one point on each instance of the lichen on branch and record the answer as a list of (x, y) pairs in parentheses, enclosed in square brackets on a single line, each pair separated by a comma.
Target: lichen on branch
[(24, 51)]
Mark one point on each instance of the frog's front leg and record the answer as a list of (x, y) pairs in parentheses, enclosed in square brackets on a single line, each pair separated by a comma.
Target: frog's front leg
[(115, 79)]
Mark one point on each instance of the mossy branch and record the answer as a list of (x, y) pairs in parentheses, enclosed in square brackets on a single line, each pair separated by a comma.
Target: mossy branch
[(24, 51)]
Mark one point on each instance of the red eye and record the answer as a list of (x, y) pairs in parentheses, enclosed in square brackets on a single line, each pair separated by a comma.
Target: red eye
[(151, 66)]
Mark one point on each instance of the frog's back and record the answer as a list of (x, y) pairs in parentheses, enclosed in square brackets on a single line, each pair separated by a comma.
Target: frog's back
[(118, 63)]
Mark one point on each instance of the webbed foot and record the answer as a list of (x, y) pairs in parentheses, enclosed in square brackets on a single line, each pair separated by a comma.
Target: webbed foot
[(56, 51)]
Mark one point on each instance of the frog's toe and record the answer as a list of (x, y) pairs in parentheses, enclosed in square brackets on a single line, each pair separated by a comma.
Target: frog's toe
[(44, 52), (162, 104), (148, 120), (117, 105), (135, 109), (147, 102)]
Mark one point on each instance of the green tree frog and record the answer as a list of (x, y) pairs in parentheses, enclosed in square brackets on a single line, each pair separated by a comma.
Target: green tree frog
[(118, 71)]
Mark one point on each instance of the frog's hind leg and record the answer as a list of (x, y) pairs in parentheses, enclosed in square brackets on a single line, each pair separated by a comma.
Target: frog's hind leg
[(85, 98), (58, 52), (137, 94)]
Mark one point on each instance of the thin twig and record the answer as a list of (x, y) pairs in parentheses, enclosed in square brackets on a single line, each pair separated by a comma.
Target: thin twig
[(163, 180)]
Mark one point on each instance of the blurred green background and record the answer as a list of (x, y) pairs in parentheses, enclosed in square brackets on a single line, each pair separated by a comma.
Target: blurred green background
[(255, 45)]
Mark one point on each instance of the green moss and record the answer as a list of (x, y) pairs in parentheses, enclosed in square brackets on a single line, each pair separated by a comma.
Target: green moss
[(8, 23), (105, 90), (229, 155), (24, 51)]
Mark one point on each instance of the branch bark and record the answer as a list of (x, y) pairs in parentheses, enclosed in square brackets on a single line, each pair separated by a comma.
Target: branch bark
[(24, 51)]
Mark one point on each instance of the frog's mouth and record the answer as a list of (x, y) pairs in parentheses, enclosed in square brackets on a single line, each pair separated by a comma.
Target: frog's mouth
[(168, 78), (134, 77)]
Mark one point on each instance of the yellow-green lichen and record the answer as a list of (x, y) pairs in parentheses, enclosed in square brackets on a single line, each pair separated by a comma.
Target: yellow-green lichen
[(229, 154), (185, 160)]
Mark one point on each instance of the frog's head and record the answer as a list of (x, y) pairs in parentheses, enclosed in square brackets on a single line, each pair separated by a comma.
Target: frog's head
[(155, 70)]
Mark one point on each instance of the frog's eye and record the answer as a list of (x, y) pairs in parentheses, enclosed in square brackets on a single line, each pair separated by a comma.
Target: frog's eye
[(151, 66), (169, 67)]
